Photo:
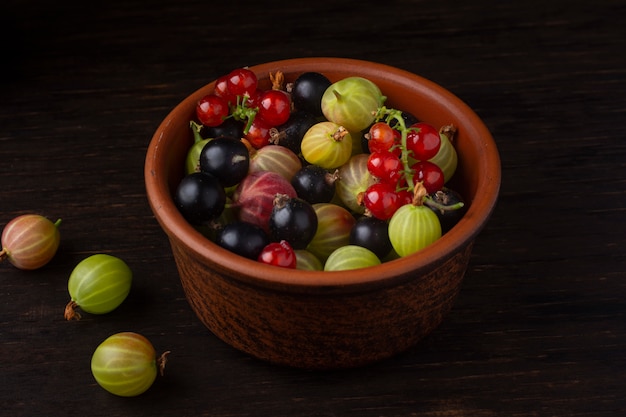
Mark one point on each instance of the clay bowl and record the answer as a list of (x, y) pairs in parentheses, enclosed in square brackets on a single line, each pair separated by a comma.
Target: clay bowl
[(328, 320)]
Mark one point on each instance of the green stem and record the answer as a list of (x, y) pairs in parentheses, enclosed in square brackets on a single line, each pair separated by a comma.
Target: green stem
[(195, 128), (57, 223), (442, 207), (392, 114)]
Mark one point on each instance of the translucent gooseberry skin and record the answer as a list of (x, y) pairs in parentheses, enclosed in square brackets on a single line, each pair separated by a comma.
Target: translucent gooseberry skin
[(412, 228), (30, 241), (327, 144), (352, 102), (125, 364), (99, 283), (350, 257)]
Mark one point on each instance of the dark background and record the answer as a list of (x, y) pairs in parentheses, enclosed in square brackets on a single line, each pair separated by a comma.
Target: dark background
[(539, 326)]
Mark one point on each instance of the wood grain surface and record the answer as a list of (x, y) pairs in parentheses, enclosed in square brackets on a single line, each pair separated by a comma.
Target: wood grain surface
[(539, 328)]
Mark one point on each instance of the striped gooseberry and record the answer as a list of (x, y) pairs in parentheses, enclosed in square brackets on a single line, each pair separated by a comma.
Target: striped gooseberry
[(30, 241), (98, 285), (126, 364)]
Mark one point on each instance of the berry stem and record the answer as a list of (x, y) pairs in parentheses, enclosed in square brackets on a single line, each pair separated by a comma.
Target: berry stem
[(243, 113), (195, 128), (393, 114), (3, 254), (161, 361), (442, 207)]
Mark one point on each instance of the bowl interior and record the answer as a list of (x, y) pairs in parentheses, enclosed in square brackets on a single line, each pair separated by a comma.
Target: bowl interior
[(477, 177)]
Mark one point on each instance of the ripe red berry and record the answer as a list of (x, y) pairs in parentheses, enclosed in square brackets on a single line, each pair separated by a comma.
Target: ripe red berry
[(278, 254), (212, 110), (385, 166), (241, 82), (423, 141), (429, 174), (382, 200), (383, 137), (274, 107)]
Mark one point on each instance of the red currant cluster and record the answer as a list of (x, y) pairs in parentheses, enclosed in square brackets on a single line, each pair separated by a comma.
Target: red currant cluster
[(237, 94), (399, 157)]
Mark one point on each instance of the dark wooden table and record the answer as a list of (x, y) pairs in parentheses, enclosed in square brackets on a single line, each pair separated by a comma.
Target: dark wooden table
[(539, 328)]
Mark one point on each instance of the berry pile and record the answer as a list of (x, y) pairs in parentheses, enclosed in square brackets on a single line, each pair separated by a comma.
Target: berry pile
[(314, 174)]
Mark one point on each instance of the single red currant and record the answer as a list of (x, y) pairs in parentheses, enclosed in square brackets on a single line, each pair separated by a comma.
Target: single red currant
[(382, 200), (259, 133), (383, 137), (429, 174), (275, 107), (423, 141), (278, 254), (221, 89), (241, 82), (211, 110), (385, 166)]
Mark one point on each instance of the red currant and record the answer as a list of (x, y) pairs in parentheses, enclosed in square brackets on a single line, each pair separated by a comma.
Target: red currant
[(423, 140), (382, 200), (241, 82), (383, 137), (259, 133), (221, 89), (278, 254), (429, 174), (385, 166), (274, 107), (212, 110)]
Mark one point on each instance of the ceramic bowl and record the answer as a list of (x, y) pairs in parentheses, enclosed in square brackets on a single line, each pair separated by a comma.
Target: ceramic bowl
[(328, 320)]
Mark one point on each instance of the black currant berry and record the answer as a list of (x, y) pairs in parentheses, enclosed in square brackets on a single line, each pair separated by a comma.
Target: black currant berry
[(227, 159), (371, 233), (449, 207), (243, 238), (200, 197), (230, 127), (308, 90), (314, 184), (293, 220), (290, 133)]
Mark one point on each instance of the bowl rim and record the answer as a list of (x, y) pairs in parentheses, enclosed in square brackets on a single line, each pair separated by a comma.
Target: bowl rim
[(388, 273)]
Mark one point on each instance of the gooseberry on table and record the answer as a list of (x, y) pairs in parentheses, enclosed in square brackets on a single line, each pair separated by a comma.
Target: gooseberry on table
[(125, 364), (30, 241), (98, 285)]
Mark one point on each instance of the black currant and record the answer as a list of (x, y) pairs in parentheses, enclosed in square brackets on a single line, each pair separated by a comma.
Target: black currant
[(200, 197), (371, 233), (308, 90), (243, 238), (230, 127), (290, 133), (314, 184), (226, 158), (294, 220), (449, 207)]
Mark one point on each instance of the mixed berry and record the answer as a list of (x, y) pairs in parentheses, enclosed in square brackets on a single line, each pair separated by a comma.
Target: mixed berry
[(314, 174)]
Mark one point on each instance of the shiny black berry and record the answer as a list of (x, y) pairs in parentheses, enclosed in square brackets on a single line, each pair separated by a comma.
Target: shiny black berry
[(290, 133), (243, 238), (293, 220), (308, 90), (447, 209), (371, 233), (314, 184), (200, 197), (227, 159)]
